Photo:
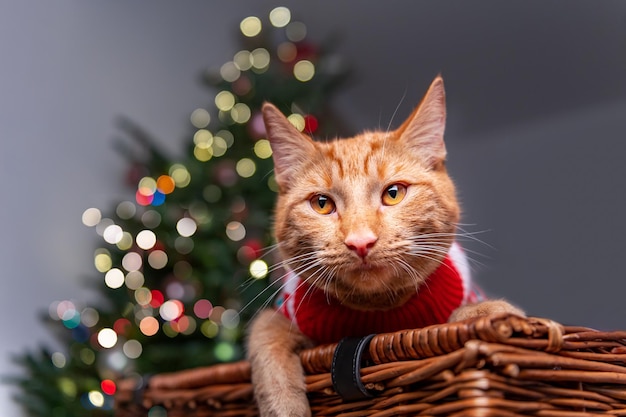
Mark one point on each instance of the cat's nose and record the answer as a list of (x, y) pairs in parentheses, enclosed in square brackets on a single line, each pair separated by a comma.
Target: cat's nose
[(361, 242)]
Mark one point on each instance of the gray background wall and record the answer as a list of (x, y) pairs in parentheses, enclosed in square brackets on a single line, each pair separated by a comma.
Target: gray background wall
[(536, 133)]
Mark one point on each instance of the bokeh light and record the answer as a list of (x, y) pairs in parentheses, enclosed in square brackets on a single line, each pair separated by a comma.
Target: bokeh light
[(143, 296), (225, 100), (202, 153), (108, 387), (200, 212), (262, 149), (209, 329), (165, 184), (202, 308), (157, 259), (227, 137), (250, 26), (242, 60), (87, 355), (259, 269), (186, 227), (230, 319), (158, 198), (102, 225), (103, 262), (126, 210), (116, 360), (224, 351), (310, 123), (220, 146), (114, 278), (91, 217), (260, 58), (203, 138), (200, 118), (235, 231), (107, 338), (151, 219), (132, 349), (272, 184), (280, 16), (58, 359), (230, 72), (296, 31), (304, 70), (147, 186), (132, 261), (157, 298), (96, 398), (142, 199), (297, 120), (134, 280), (171, 310), (149, 326), (67, 387), (212, 193), (240, 113), (180, 174), (287, 52), (89, 316), (245, 167), (216, 314), (126, 242), (184, 245), (113, 234), (122, 326), (146, 239)]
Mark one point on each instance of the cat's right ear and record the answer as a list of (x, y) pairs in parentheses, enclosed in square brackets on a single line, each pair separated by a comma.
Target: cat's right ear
[(290, 148)]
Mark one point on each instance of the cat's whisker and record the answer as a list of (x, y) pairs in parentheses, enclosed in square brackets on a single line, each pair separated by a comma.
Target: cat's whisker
[(330, 280), (411, 272), (298, 259), (472, 236), (283, 281), (311, 285), (424, 255), (282, 264)]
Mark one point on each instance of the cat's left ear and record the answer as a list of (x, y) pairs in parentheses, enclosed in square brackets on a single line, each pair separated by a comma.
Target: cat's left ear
[(290, 148), (423, 130)]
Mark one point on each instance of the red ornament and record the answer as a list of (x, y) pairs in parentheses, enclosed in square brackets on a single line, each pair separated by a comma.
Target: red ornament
[(256, 127), (136, 172), (143, 200), (256, 246), (310, 123), (108, 387), (306, 50), (242, 86), (157, 298), (121, 326)]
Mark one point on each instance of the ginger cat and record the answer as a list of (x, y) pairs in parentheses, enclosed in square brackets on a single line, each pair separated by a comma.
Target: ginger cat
[(366, 230)]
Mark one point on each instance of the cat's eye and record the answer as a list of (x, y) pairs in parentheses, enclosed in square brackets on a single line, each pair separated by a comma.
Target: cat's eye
[(394, 194), (322, 204)]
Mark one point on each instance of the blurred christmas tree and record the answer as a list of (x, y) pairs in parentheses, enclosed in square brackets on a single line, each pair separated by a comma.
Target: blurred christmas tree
[(180, 261)]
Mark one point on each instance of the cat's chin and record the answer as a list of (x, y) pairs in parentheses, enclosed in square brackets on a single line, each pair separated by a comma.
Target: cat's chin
[(371, 286)]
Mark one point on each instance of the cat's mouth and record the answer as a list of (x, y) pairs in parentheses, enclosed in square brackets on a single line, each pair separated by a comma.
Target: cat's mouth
[(366, 266)]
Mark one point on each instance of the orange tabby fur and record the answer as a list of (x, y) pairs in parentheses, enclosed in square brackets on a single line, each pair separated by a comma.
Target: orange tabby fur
[(360, 245)]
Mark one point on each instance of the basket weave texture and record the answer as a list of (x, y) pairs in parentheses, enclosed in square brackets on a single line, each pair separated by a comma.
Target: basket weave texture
[(500, 365)]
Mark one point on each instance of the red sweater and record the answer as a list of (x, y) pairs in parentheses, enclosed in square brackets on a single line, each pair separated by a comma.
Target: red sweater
[(325, 320)]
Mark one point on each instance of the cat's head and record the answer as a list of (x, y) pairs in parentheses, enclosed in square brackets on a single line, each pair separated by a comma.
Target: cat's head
[(366, 218)]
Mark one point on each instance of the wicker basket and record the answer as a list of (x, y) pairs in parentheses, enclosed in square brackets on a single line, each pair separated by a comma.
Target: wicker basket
[(493, 366)]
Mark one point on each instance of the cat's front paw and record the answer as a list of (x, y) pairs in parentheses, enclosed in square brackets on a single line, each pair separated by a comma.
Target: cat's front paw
[(283, 403), (484, 308)]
